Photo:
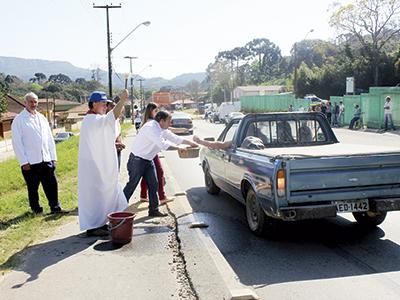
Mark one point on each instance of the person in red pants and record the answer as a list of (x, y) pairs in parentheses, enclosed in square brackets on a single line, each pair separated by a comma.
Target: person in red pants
[(149, 114)]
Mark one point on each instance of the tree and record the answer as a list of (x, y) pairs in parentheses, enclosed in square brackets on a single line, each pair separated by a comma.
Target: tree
[(193, 87), (4, 89), (373, 22), (60, 79), (267, 59), (40, 78)]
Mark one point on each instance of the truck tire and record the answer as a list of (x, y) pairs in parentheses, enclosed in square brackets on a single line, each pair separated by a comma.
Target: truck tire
[(369, 219), (212, 188), (259, 223)]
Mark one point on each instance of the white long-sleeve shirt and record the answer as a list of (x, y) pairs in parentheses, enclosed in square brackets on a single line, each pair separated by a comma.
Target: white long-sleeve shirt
[(151, 139), (32, 139)]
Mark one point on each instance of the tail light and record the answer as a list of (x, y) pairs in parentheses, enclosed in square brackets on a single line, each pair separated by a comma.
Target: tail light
[(281, 183)]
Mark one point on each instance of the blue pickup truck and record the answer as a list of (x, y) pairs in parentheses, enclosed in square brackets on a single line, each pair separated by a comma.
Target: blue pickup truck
[(290, 166)]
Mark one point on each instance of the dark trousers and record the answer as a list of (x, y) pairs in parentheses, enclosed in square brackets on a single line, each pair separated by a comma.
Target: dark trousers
[(43, 173), (160, 179), (138, 168), (353, 121)]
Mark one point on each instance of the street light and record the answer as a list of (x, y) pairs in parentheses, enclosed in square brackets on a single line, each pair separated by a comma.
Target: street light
[(296, 64), (147, 23), (131, 76)]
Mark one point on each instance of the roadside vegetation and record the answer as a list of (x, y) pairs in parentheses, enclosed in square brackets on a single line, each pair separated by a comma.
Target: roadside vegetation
[(19, 227)]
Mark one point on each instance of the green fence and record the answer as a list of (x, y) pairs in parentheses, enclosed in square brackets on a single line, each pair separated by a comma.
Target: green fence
[(371, 104)]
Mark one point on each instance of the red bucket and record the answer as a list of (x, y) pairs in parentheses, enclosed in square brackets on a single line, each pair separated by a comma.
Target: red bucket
[(121, 227)]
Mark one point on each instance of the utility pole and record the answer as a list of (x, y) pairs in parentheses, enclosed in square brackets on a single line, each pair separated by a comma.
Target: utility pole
[(130, 64), (141, 92), (108, 46)]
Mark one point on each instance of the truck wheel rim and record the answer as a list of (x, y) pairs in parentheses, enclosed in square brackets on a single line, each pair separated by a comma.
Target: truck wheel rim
[(252, 213)]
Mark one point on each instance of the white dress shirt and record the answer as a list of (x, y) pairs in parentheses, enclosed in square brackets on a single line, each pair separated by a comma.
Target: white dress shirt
[(32, 139), (151, 139)]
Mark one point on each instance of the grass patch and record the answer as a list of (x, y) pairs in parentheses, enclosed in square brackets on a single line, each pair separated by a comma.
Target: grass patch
[(19, 228)]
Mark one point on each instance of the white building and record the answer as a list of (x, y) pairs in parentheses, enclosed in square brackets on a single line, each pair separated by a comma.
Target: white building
[(260, 90)]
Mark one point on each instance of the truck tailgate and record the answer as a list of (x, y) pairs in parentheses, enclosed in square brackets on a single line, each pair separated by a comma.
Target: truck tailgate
[(343, 177)]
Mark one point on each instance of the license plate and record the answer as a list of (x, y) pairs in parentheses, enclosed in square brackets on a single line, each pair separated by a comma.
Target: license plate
[(352, 206)]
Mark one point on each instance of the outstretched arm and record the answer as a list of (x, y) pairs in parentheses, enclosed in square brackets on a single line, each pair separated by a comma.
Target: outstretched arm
[(213, 145), (120, 105)]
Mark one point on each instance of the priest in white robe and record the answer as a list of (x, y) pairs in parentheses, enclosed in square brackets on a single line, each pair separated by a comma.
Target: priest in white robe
[(99, 192)]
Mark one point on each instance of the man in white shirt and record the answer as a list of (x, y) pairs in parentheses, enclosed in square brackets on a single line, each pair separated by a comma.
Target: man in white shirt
[(99, 192), (35, 150), (387, 108), (153, 137)]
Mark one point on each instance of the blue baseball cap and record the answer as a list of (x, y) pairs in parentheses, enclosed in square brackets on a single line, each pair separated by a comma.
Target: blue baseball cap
[(98, 96)]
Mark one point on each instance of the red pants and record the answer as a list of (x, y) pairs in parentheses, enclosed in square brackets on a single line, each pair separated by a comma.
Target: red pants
[(160, 179)]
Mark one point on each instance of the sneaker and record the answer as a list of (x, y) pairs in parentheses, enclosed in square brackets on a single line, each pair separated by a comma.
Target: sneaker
[(97, 232), (166, 200), (58, 210), (157, 214), (144, 200)]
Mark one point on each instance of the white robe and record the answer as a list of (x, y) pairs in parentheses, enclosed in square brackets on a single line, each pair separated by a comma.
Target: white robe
[(99, 192)]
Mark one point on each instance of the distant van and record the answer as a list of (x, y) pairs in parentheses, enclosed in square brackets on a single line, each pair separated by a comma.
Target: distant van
[(226, 108)]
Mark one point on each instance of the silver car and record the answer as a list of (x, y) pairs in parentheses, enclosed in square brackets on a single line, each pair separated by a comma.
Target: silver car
[(182, 120)]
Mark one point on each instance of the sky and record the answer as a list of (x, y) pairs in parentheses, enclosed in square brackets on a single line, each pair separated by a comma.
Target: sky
[(184, 35)]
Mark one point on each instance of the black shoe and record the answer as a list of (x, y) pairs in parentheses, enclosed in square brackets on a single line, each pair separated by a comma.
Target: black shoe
[(58, 210), (157, 214), (38, 211)]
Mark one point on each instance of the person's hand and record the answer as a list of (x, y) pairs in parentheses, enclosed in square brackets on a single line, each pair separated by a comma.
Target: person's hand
[(196, 139), (119, 146), (182, 151), (124, 94), (193, 145), (26, 167)]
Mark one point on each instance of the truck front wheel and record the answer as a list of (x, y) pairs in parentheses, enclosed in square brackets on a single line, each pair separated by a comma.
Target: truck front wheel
[(259, 223), (212, 188), (369, 218)]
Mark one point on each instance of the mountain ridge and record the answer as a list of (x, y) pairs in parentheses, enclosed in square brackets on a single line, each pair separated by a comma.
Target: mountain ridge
[(25, 68)]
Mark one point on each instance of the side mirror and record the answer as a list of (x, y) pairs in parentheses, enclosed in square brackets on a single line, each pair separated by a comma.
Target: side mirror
[(209, 139)]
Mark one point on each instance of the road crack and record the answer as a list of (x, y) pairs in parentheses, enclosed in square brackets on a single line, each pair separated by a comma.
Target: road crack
[(186, 289)]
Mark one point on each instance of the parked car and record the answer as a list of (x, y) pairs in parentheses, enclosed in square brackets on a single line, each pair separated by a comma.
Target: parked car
[(233, 115), (62, 136), (290, 166), (182, 120)]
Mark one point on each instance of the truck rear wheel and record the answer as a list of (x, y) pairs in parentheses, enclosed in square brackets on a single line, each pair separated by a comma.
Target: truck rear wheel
[(212, 188), (259, 223), (369, 218)]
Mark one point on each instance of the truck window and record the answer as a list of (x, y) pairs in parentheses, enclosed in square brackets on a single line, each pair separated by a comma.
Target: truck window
[(286, 132), (231, 132)]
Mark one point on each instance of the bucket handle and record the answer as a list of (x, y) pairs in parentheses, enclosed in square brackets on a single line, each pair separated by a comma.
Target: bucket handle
[(111, 228)]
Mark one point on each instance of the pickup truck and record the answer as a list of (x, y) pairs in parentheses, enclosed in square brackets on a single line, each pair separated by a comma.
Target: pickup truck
[(290, 166)]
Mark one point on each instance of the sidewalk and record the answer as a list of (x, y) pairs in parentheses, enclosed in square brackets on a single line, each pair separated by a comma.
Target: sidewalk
[(155, 265)]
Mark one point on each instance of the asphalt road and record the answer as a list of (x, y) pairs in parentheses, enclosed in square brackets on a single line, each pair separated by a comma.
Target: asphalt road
[(323, 259)]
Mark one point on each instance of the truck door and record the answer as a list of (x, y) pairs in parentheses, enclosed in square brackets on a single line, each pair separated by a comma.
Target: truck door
[(230, 159)]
